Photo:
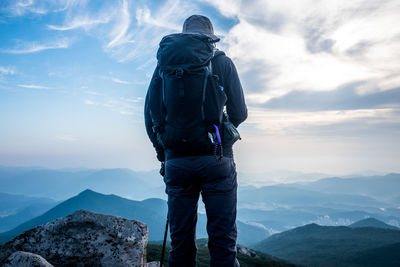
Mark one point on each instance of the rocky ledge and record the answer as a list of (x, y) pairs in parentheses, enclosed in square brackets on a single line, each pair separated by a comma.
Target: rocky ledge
[(83, 238), (21, 258)]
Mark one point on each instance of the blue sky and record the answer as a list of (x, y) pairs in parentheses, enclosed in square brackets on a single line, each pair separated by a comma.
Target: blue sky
[(321, 80)]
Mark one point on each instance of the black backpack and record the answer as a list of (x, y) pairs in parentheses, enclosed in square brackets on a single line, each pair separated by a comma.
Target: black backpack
[(188, 111)]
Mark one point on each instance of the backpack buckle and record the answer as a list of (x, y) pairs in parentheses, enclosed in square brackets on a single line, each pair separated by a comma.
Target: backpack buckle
[(156, 129), (179, 72)]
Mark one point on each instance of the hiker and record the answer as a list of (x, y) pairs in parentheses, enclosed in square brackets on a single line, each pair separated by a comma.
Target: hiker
[(185, 120)]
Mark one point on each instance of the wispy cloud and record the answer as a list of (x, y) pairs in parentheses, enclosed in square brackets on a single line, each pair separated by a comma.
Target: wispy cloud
[(124, 112), (6, 70), (68, 4), (22, 7), (33, 47), (122, 27), (128, 29), (96, 103), (119, 81), (143, 17), (25, 3), (79, 22), (122, 105), (90, 92), (33, 86), (132, 100), (141, 39), (19, 8)]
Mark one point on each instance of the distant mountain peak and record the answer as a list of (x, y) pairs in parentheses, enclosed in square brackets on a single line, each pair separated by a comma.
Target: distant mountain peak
[(312, 225), (87, 191), (307, 227), (372, 222)]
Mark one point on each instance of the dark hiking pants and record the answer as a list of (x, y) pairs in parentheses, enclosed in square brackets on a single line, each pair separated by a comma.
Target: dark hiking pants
[(185, 179)]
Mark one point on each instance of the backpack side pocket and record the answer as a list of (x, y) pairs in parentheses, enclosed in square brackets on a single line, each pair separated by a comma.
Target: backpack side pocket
[(230, 134), (215, 101)]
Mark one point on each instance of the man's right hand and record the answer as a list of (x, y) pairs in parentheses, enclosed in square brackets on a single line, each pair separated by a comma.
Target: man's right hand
[(160, 154)]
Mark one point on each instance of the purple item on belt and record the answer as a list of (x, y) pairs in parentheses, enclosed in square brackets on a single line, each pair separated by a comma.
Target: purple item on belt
[(217, 132)]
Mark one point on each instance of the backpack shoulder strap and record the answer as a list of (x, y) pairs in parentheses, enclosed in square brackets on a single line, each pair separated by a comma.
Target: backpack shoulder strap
[(216, 53), (208, 72)]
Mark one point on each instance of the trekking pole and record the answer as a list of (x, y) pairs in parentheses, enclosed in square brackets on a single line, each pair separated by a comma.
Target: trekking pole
[(162, 172), (164, 242)]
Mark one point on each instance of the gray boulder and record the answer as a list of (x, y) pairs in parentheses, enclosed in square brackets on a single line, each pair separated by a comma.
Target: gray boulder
[(26, 259), (246, 251), (84, 238)]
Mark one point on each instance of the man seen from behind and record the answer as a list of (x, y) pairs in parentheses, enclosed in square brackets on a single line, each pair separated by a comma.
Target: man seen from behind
[(193, 105)]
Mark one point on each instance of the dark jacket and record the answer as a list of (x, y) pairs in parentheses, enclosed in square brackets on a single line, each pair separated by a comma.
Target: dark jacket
[(235, 106)]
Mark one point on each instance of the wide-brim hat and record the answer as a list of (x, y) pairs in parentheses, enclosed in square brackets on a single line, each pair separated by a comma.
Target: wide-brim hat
[(200, 24)]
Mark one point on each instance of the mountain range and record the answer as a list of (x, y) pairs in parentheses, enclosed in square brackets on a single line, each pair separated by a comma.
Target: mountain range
[(372, 222), (384, 188), (64, 183), (315, 245), (15, 209), (150, 211), (285, 206), (263, 211)]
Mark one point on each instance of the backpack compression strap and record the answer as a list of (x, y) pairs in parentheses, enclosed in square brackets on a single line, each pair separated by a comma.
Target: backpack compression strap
[(207, 73)]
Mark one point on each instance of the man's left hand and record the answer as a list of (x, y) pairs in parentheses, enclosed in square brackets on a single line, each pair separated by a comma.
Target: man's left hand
[(162, 169)]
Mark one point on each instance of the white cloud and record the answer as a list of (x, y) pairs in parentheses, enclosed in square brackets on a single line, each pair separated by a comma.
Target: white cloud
[(128, 29), (278, 122), (90, 92), (122, 27), (27, 48), (141, 40), (6, 70), (281, 46), (22, 7), (286, 65), (119, 81), (19, 8), (25, 3), (90, 102), (68, 4), (33, 86), (124, 112), (80, 22), (123, 105), (132, 100), (143, 17), (96, 103)]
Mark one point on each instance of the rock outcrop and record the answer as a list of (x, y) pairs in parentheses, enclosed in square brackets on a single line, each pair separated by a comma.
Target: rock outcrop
[(84, 238), (26, 259), (153, 264), (246, 251)]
